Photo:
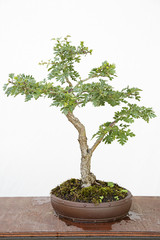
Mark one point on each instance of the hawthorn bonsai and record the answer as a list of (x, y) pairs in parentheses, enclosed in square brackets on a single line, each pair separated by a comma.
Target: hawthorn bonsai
[(68, 91)]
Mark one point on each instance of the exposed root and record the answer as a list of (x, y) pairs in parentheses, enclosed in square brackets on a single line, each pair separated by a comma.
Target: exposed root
[(89, 180)]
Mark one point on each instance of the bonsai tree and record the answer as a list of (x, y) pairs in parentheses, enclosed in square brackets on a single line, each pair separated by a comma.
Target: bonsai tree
[(67, 90)]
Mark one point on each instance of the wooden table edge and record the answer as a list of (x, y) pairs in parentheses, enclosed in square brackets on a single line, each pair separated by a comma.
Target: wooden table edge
[(80, 234)]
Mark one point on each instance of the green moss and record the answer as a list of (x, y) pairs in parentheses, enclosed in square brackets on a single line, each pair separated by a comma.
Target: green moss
[(99, 192)]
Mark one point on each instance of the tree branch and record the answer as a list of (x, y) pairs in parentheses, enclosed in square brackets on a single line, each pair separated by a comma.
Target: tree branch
[(99, 140), (67, 80), (95, 145), (84, 80)]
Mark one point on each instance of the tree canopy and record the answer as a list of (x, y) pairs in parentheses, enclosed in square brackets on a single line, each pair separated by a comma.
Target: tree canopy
[(67, 90)]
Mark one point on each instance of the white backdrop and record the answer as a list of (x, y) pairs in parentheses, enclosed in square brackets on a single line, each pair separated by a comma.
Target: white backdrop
[(38, 146)]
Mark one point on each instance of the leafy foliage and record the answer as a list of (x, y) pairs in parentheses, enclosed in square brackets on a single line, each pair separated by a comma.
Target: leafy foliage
[(65, 55), (72, 91), (105, 70)]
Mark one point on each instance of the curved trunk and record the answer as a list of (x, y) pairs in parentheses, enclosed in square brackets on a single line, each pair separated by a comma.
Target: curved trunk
[(86, 176)]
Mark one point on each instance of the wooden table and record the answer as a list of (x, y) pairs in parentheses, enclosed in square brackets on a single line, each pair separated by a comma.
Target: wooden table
[(33, 217)]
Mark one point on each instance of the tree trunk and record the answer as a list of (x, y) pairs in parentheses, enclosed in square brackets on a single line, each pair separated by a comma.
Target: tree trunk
[(86, 176)]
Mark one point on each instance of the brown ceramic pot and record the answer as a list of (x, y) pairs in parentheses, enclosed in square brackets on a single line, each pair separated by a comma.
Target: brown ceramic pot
[(89, 212)]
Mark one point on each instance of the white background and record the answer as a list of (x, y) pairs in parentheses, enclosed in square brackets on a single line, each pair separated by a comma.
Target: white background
[(38, 146)]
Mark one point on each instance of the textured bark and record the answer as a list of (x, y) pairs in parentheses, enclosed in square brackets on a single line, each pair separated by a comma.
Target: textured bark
[(86, 176)]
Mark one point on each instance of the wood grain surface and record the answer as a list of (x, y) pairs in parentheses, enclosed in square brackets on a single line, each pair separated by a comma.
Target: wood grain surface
[(34, 217)]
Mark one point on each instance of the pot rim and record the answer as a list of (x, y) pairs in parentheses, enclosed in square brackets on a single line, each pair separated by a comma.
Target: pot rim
[(91, 205)]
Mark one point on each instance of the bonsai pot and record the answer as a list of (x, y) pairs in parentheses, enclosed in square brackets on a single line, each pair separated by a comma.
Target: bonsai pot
[(77, 93), (90, 212)]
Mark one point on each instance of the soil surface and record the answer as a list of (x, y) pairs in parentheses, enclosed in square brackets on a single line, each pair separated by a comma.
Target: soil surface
[(99, 192)]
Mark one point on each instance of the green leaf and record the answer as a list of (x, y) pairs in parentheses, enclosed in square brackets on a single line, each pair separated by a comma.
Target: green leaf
[(11, 75), (116, 198), (5, 86), (105, 70), (124, 191), (110, 184)]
